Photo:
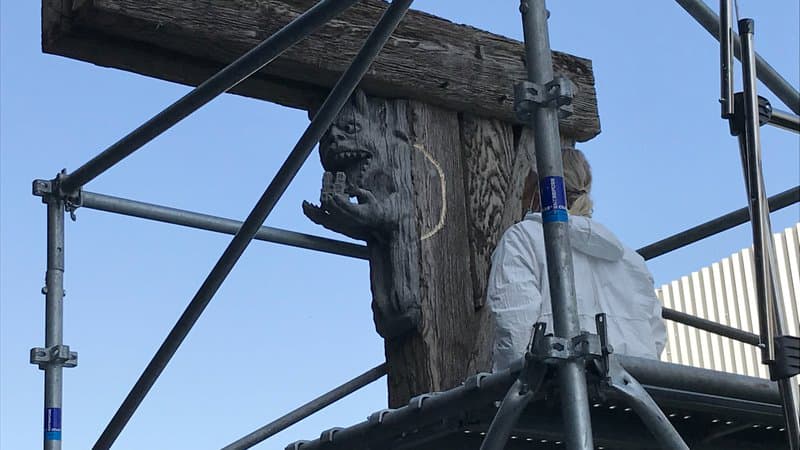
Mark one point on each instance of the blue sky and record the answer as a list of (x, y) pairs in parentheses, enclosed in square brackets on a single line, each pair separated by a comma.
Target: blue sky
[(289, 324)]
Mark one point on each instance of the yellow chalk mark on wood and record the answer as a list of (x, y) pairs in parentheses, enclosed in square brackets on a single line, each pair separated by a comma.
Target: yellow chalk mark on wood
[(443, 185)]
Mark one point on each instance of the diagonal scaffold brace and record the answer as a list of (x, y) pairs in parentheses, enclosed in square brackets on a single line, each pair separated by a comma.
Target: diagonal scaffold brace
[(519, 394), (614, 375)]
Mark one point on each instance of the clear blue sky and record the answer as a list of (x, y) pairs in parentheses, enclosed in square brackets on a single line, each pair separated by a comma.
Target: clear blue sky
[(290, 324)]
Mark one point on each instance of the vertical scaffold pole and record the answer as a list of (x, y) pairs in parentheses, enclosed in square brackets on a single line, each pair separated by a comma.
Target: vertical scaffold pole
[(726, 58), (54, 321), (544, 121), (772, 321), (54, 356)]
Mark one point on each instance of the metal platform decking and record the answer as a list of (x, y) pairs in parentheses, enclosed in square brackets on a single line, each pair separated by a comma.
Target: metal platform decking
[(710, 409)]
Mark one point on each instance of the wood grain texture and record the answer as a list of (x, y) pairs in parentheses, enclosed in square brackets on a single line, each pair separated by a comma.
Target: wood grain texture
[(447, 308), (523, 162), (430, 59), (497, 160), (488, 154)]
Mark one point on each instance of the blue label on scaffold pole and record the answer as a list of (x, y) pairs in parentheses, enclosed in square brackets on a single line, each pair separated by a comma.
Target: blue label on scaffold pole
[(52, 424), (554, 200)]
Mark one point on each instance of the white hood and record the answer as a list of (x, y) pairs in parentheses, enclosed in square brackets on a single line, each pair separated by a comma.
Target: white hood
[(589, 237)]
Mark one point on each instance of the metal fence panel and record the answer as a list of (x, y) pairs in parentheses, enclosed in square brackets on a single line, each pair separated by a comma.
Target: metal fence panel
[(724, 292)]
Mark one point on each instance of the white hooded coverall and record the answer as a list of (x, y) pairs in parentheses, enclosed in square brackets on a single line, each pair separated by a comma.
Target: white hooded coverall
[(609, 278)]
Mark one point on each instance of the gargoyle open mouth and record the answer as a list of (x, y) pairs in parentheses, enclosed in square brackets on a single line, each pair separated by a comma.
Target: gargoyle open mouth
[(340, 158), (344, 160), (352, 162)]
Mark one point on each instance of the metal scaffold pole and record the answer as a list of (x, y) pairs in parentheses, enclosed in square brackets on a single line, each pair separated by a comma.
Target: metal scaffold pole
[(544, 120), (308, 409), (772, 321), (54, 322), (54, 356), (132, 208)]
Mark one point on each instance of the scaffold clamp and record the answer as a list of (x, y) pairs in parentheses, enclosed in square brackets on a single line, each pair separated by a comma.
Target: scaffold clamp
[(551, 349), (736, 122), (59, 355), (787, 358), (605, 347), (47, 189), (529, 95)]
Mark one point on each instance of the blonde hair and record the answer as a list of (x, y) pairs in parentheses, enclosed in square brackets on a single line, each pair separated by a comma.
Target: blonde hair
[(578, 182)]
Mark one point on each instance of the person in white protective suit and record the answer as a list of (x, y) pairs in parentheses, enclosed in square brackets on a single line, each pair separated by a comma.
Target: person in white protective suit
[(609, 278)]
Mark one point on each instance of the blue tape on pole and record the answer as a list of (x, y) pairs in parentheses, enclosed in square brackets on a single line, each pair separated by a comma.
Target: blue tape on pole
[(52, 435), (554, 200), (52, 424)]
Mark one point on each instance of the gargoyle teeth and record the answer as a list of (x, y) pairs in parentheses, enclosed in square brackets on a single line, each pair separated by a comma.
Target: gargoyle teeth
[(351, 154), (345, 159)]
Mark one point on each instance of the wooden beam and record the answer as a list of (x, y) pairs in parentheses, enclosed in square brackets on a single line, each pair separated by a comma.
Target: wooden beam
[(457, 67)]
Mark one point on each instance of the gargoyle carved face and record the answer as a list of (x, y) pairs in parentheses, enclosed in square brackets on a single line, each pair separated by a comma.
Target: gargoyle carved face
[(354, 170), (343, 148)]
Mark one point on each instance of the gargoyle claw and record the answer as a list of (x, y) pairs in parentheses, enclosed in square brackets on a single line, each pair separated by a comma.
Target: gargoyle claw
[(363, 220)]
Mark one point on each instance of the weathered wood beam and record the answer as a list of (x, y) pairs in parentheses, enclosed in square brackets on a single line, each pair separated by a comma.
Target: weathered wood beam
[(457, 67)]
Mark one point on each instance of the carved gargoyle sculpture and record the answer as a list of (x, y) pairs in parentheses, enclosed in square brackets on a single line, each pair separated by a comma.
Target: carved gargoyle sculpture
[(367, 195)]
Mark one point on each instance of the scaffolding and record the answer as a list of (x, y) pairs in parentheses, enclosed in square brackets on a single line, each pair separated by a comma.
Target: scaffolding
[(539, 102)]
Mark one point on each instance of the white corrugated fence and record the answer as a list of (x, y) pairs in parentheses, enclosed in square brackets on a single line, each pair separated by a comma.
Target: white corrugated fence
[(725, 292)]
